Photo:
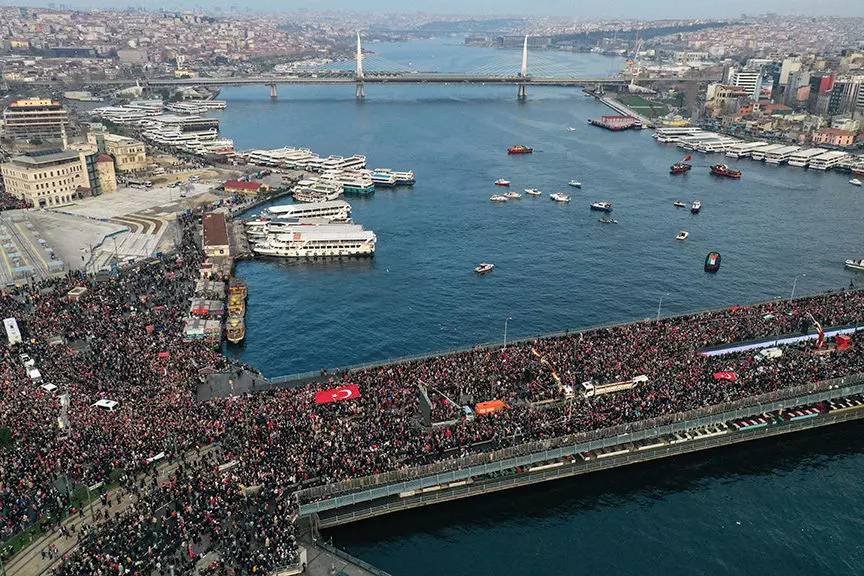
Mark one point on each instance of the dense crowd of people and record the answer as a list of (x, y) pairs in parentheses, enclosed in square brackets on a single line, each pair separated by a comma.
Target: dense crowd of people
[(122, 341)]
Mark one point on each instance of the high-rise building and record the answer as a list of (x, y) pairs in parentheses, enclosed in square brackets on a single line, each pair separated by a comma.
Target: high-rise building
[(796, 80), (790, 65), (749, 80), (844, 95), (35, 118)]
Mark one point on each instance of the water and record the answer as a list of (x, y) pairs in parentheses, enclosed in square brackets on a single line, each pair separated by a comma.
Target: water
[(558, 268)]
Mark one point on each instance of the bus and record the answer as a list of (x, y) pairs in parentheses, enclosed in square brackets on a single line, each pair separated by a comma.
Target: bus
[(13, 334)]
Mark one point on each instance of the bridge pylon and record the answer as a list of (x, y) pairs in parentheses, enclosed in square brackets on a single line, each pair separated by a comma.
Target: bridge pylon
[(522, 91), (274, 92), (360, 92)]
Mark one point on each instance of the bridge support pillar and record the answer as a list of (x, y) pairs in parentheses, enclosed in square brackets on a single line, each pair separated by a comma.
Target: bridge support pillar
[(360, 92), (274, 93), (522, 92)]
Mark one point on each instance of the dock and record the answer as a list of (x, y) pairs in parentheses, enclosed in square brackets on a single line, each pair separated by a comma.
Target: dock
[(625, 111), (323, 559)]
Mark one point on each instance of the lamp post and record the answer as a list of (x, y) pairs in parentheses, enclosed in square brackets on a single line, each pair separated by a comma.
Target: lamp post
[(660, 304), (506, 320)]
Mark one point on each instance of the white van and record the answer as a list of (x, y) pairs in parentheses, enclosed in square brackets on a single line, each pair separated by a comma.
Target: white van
[(107, 405)]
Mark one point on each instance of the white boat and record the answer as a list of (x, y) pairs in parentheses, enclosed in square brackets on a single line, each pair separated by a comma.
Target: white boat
[(502, 182), (318, 242), (855, 265), (682, 235), (607, 221), (560, 197), (513, 195), (533, 192), (575, 184), (695, 207), (571, 129), (602, 206), (484, 267), (855, 182), (679, 204), (336, 210), (498, 198)]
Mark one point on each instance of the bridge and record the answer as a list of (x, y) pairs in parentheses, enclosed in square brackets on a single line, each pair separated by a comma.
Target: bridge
[(360, 77)]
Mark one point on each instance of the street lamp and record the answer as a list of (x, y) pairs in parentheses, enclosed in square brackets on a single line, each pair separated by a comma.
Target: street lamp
[(506, 320), (795, 284), (660, 304)]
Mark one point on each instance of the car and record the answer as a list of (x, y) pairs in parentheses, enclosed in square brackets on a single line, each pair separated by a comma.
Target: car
[(27, 361)]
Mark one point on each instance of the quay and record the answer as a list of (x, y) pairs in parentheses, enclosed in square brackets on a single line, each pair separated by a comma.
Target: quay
[(786, 411), (624, 110)]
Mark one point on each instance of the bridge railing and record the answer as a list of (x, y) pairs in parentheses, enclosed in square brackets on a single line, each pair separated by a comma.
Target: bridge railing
[(531, 452)]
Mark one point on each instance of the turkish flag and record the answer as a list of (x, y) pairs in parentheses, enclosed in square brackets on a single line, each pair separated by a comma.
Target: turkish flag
[(731, 376), (348, 392)]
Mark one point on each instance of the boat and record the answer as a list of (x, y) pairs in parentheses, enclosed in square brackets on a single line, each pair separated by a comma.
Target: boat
[(602, 206), (533, 192), (855, 182), (305, 241), (607, 221), (502, 182), (712, 262), (695, 207), (235, 329), (520, 149), (575, 184), (682, 235), (679, 204), (353, 181), (559, 197), (498, 198), (725, 171), (512, 195), (571, 129), (384, 179), (335, 210), (484, 267), (406, 178), (680, 168), (855, 265)]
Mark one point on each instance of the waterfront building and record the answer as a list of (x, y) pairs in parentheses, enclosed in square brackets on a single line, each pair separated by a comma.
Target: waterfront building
[(129, 155), (35, 118), (215, 235), (46, 179), (250, 188), (836, 137)]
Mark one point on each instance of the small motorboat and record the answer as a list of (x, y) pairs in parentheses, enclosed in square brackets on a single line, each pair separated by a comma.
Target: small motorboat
[(682, 235), (513, 195), (484, 267), (855, 182), (571, 129), (607, 221), (498, 198), (680, 168), (602, 206), (559, 197), (575, 184), (679, 204), (533, 192), (520, 149), (855, 265), (502, 182), (712, 262), (695, 207)]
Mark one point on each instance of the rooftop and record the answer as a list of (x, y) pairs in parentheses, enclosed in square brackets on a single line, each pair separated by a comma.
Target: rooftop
[(45, 157)]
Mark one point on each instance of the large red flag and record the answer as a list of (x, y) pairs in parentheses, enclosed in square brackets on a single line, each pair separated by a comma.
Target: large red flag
[(339, 394), (729, 375)]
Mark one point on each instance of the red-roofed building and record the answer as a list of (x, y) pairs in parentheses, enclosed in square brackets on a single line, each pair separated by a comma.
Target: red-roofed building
[(241, 187)]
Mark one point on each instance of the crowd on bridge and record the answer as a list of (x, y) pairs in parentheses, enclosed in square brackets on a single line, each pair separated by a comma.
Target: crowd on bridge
[(229, 501)]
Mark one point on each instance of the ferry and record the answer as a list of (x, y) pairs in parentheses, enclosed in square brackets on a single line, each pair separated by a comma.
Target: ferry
[(334, 210), (513, 195), (602, 206), (383, 179), (520, 149), (498, 198), (315, 242), (502, 182), (682, 235), (725, 171), (857, 265), (235, 329), (855, 182), (560, 197), (679, 204), (406, 178), (484, 267), (680, 168), (533, 192), (695, 207), (575, 184), (317, 190), (354, 181), (607, 221)]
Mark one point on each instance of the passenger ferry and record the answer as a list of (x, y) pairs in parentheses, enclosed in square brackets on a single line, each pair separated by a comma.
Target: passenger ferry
[(353, 181), (296, 158), (334, 210), (780, 155), (761, 153), (331, 163), (316, 190), (803, 157), (383, 179), (828, 160), (560, 197), (406, 178), (602, 206), (235, 329), (318, 242)]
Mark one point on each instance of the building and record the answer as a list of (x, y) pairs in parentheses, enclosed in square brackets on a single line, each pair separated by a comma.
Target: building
[(106, 178), (844, 96), (35, 118), (748, 80), (45, 179), (130, 155), (243, 187), (215, 235), (789, 66), (835, 137)]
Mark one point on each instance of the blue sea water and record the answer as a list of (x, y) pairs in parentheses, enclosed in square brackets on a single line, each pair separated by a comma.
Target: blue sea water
[(558, 268)]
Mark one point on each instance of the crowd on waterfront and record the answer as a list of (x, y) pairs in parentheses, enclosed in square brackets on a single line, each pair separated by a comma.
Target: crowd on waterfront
[(121, 341)]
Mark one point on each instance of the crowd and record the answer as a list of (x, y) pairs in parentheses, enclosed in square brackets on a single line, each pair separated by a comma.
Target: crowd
[(121, 341)]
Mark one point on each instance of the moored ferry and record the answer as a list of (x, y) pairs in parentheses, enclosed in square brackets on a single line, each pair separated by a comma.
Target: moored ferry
[(403, 178), (725, 171), (235, 329), (335, 210), (317, 190), (354, 181), (383, 179), (318, 242)]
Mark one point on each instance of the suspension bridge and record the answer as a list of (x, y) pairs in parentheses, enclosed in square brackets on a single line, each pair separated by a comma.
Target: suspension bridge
[(552, 72)]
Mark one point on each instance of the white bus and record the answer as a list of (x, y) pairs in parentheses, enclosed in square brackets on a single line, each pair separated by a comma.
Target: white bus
[(13, 334)]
